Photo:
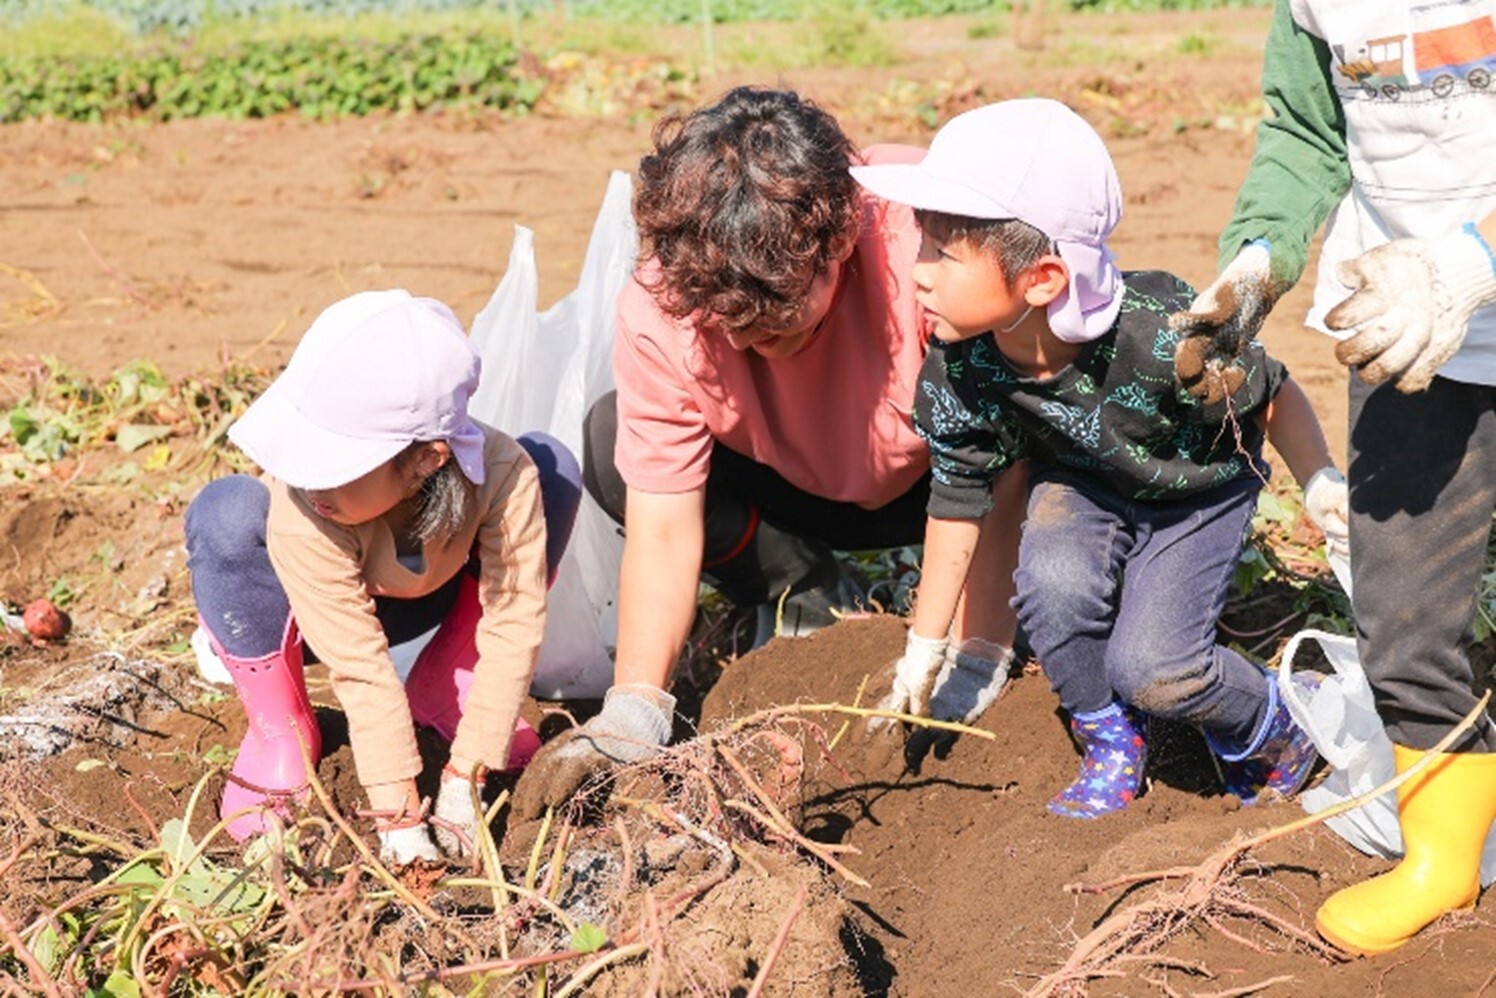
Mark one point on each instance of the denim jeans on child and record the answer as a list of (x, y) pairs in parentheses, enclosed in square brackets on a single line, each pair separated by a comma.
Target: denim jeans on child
[(1119, 599)]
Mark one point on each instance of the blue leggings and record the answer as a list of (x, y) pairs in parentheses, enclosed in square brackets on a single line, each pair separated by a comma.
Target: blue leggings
[(243, 603)]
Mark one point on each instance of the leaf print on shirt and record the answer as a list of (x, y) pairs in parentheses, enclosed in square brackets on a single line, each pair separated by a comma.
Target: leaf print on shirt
[(985, 357), (1187, 439), (1131, 396), (1077, 424), (1228, 471), (1164, 345), (946, 414)]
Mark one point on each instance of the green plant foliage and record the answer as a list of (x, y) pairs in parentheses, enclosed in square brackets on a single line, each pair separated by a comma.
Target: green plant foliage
[(57, 414), (187, 16), (321, 78)]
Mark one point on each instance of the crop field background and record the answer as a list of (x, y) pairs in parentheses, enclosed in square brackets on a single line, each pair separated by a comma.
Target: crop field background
[(184, 185)]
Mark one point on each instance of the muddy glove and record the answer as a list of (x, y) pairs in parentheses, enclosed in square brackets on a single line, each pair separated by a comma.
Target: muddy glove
[(455, 820), (1411, 305), (1327, 502), (973, 675), (403, 842), (1221, 321), (634, 724), (913, 675)]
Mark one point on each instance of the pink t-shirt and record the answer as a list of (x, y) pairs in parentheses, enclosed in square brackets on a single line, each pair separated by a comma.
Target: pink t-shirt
[(833, 419)]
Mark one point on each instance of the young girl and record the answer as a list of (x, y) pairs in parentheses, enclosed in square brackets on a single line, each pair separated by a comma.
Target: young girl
[(1140, 495), (385, 510)]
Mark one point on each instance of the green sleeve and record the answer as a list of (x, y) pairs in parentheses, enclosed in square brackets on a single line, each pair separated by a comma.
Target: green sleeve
[(1300, 170)]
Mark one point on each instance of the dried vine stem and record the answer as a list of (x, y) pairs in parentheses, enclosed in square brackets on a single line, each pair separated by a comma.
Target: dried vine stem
[(1150, 923)]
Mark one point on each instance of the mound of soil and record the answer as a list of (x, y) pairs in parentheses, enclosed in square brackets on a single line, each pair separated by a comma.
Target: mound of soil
[(966, 873), (968, 870)]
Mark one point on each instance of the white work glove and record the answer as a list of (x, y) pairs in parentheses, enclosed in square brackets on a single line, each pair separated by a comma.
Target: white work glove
[(634, 724), (1411, 305), (1327, 502), (973, 675), (455, 821), (913, 674), (1221, 321), (403, 846)]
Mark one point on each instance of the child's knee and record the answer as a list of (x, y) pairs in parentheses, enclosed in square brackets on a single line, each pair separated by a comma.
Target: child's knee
[(227, 516), (1157, 678)]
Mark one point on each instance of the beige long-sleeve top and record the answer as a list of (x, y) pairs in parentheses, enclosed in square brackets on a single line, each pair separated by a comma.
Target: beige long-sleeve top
[(331, 574)]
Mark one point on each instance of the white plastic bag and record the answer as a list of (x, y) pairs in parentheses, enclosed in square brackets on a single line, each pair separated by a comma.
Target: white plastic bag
[(1342, 719), (541, 371)]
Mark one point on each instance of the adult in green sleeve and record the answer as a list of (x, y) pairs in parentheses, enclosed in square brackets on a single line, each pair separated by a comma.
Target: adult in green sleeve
[(1383, 121)]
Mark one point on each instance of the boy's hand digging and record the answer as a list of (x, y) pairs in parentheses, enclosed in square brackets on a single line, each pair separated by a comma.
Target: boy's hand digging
[(913, 675)]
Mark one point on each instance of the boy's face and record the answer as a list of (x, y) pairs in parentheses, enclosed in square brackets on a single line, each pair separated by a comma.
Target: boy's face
[(963, 290)]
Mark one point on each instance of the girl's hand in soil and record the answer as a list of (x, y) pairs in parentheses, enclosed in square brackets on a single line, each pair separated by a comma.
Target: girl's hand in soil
[(455, 819), (634, 724), (1221, 321), (400, 823)]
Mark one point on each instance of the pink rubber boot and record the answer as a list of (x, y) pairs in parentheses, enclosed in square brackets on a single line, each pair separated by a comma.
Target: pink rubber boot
[(438, 685), (269, 769)]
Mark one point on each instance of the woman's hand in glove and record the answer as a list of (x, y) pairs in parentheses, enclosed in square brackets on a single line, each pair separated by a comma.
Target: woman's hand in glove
[(634, 724), (1220, 323)]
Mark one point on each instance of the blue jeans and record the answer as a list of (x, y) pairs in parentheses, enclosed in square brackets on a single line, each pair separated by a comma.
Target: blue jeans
[(1120, 598), (243, 603)]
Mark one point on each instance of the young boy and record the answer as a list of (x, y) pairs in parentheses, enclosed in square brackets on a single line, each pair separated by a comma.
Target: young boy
[(1140, 495)]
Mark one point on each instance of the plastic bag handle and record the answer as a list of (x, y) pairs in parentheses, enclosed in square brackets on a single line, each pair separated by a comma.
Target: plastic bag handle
[(1289, 691)]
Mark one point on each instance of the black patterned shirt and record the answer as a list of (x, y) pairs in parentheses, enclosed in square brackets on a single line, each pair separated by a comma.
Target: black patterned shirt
[(1115, 413)]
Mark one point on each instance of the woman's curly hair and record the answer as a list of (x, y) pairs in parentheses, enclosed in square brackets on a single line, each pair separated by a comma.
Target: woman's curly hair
[(745, 203)]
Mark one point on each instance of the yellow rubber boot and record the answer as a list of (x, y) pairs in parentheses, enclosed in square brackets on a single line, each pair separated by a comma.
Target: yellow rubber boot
[(1445, 812)]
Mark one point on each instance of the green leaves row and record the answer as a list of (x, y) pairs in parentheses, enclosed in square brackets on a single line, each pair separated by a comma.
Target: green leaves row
[(321, 78)]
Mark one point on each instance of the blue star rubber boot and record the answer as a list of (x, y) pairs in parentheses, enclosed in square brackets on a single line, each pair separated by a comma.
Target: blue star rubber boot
[(1111, 768), (1281, 757)]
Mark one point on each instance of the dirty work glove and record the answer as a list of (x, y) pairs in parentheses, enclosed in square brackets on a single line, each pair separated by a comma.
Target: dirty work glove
[(634, 724), (1327, 502), (1411, 305), (404, 845), (973, 675), (455, 821), (912, 676), (1221, 321)]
